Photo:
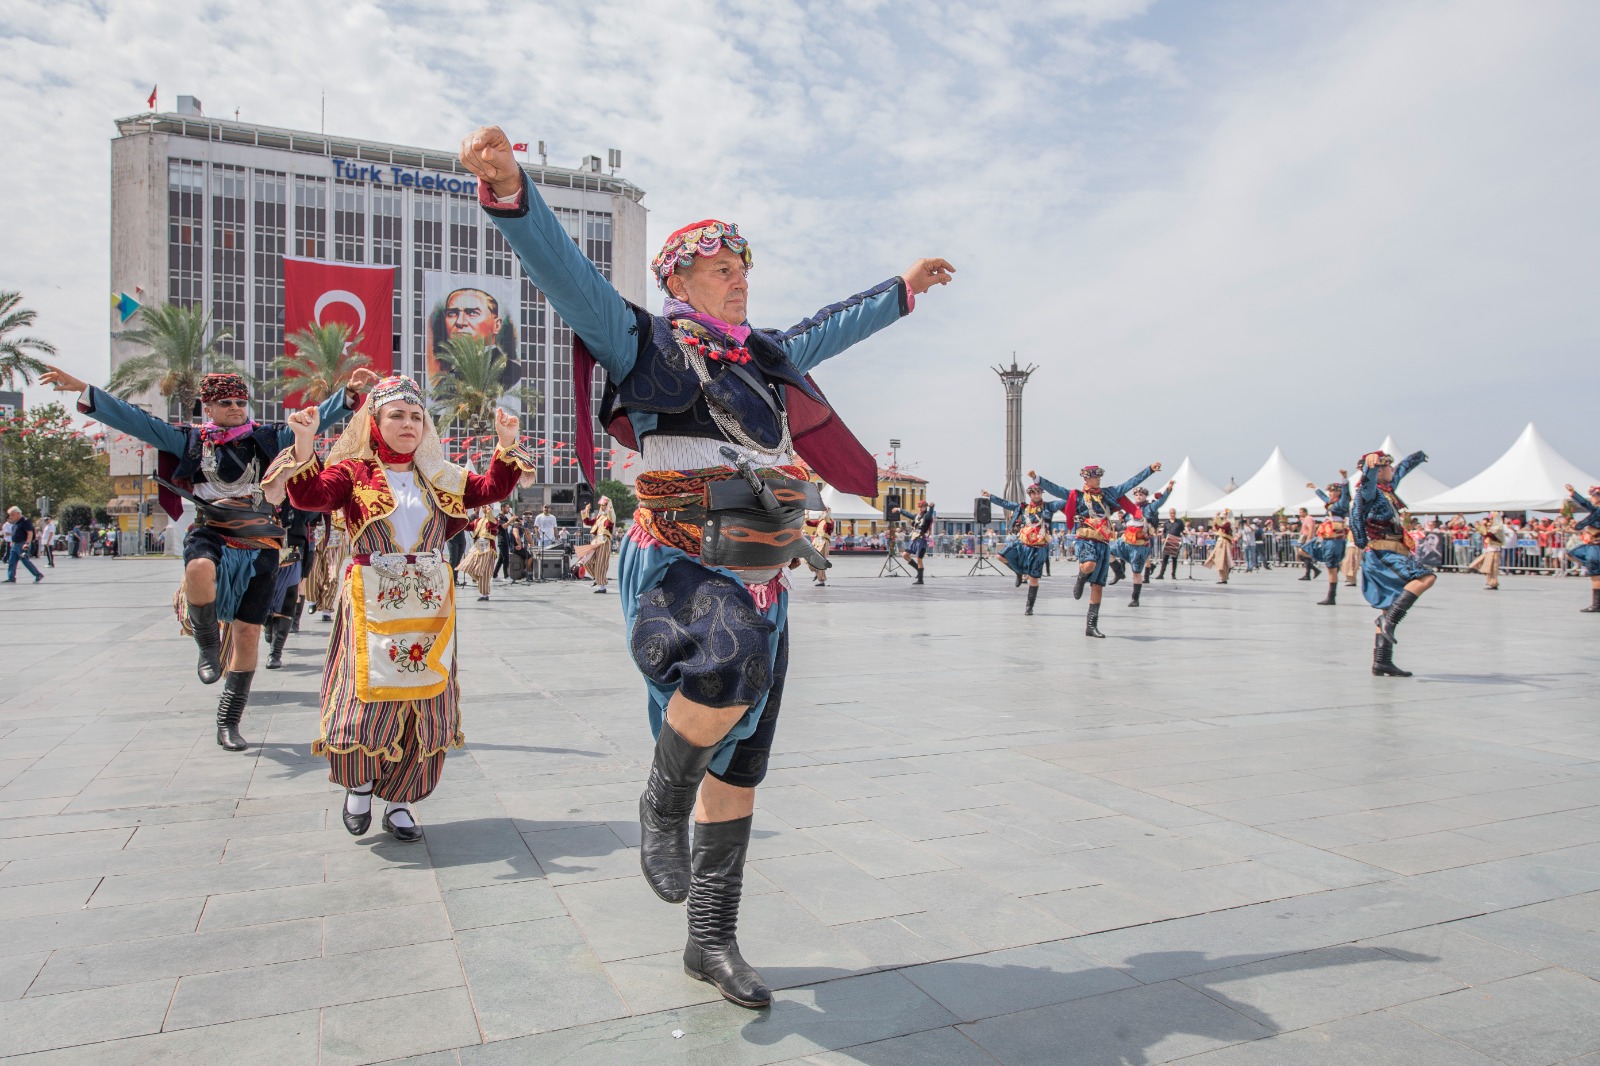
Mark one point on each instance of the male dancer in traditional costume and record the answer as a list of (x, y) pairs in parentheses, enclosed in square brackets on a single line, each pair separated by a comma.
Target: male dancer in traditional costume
[(1392, 579), (719, 411), (1133, 547), (230, 553), (1029, 549), (922, 526), (1092, 507), (1332, 533), (390, 702), (1588, 553)]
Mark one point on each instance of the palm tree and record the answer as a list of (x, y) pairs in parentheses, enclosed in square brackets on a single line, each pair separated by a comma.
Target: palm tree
[(322, 363), (470, 380), (15, 362), (181, 351)]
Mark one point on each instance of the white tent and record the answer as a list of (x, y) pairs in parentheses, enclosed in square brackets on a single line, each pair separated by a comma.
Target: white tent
[(846, 507), (1277, 486), (1190, 489), (1528, 477), (1418, 485)]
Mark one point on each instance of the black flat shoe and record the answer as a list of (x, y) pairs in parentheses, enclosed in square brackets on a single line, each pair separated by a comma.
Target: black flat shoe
[(356, 824), (405, 834)]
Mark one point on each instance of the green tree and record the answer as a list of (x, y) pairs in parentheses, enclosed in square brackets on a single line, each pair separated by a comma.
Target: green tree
[(323, 360), (43, 454), (181, 349), (622, 497), (15, 362), (469, 381)]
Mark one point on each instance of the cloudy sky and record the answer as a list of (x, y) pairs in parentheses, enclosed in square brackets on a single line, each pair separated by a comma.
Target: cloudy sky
[(1215, 227)]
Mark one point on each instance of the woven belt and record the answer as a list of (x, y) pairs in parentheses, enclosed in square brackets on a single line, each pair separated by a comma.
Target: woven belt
[(1389, 544)]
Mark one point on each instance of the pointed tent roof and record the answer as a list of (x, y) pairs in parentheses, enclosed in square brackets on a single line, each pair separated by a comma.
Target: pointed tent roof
[(1277, 486), (847, 507), (1529, 477), (1419, 483), (1190, 489)]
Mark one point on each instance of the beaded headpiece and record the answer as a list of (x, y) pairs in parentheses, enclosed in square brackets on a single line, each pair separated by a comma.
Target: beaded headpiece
[(1335, 486), (1594, 490), (391, 389), (1092, 471), (1141, 491), (1036, 487), (1372, 460), (214, 387), (703, 238)]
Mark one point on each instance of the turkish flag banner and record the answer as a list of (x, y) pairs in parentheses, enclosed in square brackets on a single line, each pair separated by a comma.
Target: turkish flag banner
[(318, 293)]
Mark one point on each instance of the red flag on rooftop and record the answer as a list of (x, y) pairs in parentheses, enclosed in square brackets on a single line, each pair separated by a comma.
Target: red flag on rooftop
[(520, 146), (152, 100)]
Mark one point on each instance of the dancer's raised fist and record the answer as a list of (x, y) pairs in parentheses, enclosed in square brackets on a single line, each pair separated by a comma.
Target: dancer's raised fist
[(486, 151)]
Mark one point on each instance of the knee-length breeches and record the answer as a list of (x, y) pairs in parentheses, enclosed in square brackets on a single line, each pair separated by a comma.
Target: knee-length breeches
[(1135, 555), (1387, 574), (1589, 556), (1096, 552), (1026, 559)]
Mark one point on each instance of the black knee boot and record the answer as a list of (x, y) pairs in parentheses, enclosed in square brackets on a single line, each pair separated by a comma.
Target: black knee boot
[(1019, 578), (1033, 594), (1594, 607), (1332, 598), (1077, 586), (712, 954), (230, 708), (203, 620), (664, 809), (295, 612), (280, 636), (1093, 628), (1118, 571), (918, 581), (1137, 588), (1397, 610), (1383, 659)]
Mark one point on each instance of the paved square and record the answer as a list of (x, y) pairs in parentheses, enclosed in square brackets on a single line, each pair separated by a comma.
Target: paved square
[(1212, 838)]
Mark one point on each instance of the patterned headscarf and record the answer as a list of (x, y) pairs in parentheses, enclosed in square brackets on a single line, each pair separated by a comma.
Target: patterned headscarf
[(1142, 491), (703, 238), (1373, 460), (396, 388), (356, 442), (214, 387), (1335, 486), (1092, 471), (1594, 490)]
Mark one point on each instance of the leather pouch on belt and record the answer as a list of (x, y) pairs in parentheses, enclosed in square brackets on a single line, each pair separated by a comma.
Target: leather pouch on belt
[(740, 533)]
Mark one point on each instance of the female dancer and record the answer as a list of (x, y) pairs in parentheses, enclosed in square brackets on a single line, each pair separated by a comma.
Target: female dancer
[(1392, 579), (820, 530), (1221, 558), (390, 702), (479, 564), (595, 556)]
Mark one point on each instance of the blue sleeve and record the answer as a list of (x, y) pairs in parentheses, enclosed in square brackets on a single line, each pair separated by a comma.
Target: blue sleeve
[(1159, 500), (1054, 507), (1367, 488), (123, 416), (1053, 489), (329, 411), (1581, 502), (1340, 509), (1005, 505), (1129, 485), (574, 286), (1323, 496), (838, 326), (1408, 464)]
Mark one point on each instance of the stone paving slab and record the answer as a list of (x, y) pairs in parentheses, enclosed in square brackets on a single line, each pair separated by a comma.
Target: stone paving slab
[(1211, 838)]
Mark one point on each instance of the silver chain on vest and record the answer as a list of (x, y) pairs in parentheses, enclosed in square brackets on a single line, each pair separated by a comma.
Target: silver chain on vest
[(727, 423)]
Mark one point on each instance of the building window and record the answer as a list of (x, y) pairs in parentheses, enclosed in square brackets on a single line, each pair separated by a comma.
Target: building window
[(349, 222), (531, 353), (228, 258), (388, 236), (427, 253), (270, 226), (496, 253), (464, 236), (186, 189), (311, 217), (597, 240), (558, 405)]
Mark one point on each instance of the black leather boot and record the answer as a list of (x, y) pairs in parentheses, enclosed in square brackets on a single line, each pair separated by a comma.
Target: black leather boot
[(1019, 579), (918, 581), (280, 637), (1093, 628), (295, 612), (712, 954), (1077, 586), (1118, 571), (664, 809), (230, 708), (1138, 588), (1033, 594), (1307, 575), (1332, 598), (1383, 659), (1390, 620), (203, 620), (1594, 607)]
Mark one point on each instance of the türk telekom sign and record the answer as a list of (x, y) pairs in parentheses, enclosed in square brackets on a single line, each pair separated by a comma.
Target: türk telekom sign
[(403, 177)]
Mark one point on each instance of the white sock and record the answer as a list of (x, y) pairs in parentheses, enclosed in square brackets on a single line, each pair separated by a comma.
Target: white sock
[(359, 802), (400, 814)]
